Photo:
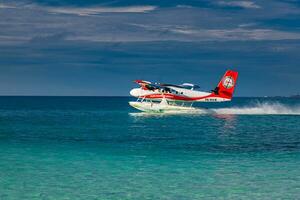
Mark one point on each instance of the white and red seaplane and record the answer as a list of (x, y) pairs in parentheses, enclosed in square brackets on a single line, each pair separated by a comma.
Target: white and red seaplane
[(158, 97)]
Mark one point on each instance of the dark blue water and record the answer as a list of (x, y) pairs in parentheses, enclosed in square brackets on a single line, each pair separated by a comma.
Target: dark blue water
[(100, 148)]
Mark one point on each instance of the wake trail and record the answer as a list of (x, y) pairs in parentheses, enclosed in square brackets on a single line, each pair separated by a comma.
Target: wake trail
[(260, 109), (265, 108)]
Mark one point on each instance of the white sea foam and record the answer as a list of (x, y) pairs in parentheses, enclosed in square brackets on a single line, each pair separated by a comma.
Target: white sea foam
[(265, 108), (172, 112)]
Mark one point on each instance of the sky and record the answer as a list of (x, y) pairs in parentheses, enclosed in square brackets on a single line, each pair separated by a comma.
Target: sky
[(97, 48)]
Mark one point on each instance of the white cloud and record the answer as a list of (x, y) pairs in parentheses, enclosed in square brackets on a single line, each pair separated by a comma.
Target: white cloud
[(98, 10), (238, 34), (241, 4), (184, 6), (190, 33), (5, 39), (175, 24), (247, 25), (6, 6)]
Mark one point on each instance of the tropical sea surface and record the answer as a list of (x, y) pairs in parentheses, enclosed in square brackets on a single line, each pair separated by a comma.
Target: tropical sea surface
[(100, 148)]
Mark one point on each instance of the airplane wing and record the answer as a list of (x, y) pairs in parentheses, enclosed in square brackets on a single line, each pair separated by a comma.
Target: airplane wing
[(142, 82), (147, 85)]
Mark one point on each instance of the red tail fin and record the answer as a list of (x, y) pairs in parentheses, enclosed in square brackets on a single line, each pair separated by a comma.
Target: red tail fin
[(227, 84)]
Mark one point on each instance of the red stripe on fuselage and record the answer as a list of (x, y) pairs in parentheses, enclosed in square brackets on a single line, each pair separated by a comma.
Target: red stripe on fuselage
[(176, 97)]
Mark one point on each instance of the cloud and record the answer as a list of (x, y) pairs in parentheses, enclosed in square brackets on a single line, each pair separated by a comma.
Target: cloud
[(4, 6), (10, 40), (184, 6), (98, 10), (240, 4), (238, 34), (186, 33), (120, 24), (247, 25), (53, 38), (81, 10)]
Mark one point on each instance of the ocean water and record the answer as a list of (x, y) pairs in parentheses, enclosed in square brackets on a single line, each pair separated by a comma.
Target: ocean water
[(100, 148)]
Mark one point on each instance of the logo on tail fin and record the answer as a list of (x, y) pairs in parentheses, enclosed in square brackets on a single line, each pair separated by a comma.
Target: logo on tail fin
[(228, 82)]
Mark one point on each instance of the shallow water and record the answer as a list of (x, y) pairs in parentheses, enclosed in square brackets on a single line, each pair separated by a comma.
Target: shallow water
[(100, 148)]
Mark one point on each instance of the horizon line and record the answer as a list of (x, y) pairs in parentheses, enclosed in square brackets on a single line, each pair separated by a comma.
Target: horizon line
[(273, 96)]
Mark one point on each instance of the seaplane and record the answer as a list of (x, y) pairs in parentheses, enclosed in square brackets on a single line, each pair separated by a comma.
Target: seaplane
[(160, 97)]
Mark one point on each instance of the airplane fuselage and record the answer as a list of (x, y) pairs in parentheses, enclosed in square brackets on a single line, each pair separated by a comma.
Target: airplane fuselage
[(177, 94)]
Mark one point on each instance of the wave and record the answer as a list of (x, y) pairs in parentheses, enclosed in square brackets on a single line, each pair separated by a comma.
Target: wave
[(265, 108)]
